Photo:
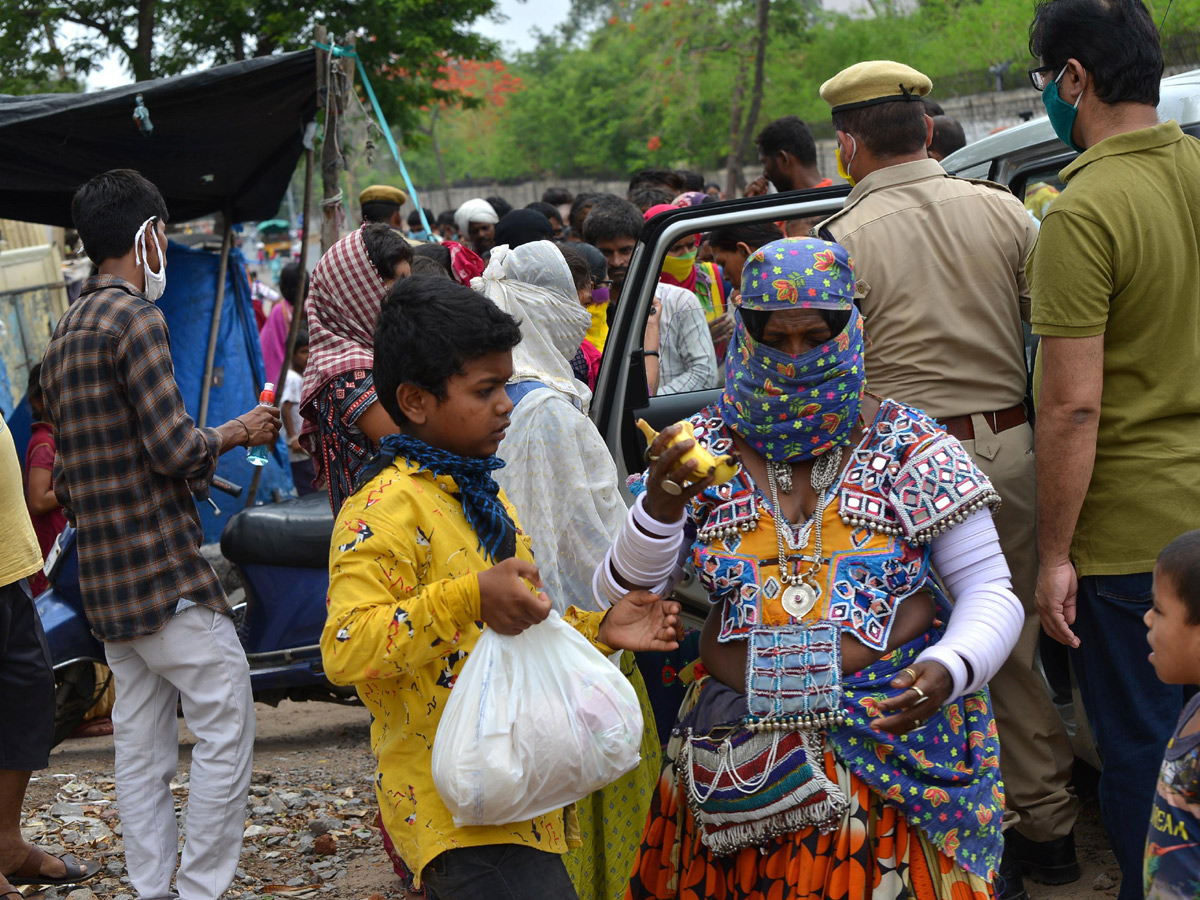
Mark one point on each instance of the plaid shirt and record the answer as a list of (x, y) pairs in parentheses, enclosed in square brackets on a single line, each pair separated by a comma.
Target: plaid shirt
[(126, 452)]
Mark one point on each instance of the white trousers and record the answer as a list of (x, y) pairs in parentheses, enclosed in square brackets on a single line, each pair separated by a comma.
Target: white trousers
[(198, 659)]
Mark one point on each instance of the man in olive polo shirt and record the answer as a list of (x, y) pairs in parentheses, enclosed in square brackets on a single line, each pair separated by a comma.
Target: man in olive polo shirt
[(1115, 279)]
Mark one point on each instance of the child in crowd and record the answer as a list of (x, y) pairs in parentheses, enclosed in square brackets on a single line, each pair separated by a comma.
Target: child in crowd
[(44, 509), (303, 472), (1172, 866), (425, 554)]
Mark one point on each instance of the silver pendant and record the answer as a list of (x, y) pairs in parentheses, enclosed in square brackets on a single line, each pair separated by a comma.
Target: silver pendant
[(799, 599)]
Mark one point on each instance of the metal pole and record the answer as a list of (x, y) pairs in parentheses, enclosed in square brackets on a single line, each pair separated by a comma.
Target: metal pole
[(298, 312), (215, 327)]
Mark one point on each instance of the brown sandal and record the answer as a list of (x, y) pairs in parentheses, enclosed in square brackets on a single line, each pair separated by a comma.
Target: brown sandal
[(8, 892), (30, 871)]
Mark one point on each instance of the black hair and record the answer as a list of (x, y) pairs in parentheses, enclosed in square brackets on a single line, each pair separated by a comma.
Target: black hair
[(612, 218), (557, 196), (594, 258), (446, 218), (428, 330), (301, 338), (581, 272), (1115, 40), (109, 210), (649, 195), (886, 129), (710, 185), (1179, 563), (427, 265), (661, 178), (580, 207), (438, 253), (379, 211), (791, 135), (948, 136), (756, 320), (692, 181), (549, 210), (291, 286), (35, 382), (932, 107), (414, 217), (386, 249), (752, 234), (501, 206)]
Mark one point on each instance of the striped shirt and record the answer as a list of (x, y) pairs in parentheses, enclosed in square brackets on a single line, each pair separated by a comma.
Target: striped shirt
[(127, 450), (687, 360)]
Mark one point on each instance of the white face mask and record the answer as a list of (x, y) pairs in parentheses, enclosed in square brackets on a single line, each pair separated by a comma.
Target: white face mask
[(156, 282)]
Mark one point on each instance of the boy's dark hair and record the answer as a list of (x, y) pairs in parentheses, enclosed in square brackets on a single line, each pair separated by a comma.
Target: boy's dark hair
[(549, 210), (500, 205), (580, 207), (648, 195), (1115, 40), (379, 211), (438, 253), (581, 272), (712, 184), (34, 388), (109, 209), (301, 338), (886, 129), (948, 135), (752, 234), (386, 249), (290, 283), (428, 330), (789, 134), (557, 196), (611, 218), (932, 107), (1179, 563), (446, 218), (425, 265), (692, 181), (414, 218), (660, 178)]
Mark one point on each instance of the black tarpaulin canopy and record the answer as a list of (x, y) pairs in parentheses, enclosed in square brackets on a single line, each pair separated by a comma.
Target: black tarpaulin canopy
[(229, 136)]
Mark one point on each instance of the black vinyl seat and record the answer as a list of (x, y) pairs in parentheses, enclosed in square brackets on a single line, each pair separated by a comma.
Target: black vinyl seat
[(293, 534)]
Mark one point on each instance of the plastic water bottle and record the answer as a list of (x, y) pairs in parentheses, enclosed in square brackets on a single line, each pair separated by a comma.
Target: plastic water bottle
[(260, 456)]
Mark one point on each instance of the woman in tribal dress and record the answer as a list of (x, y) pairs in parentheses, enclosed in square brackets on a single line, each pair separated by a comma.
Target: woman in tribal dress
[(837, 739)]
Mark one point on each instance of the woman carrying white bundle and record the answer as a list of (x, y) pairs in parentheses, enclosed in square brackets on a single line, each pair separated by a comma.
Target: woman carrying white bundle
[(562, 481)]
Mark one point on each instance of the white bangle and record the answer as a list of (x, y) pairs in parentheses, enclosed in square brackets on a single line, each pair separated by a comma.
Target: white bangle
[(651, 525)]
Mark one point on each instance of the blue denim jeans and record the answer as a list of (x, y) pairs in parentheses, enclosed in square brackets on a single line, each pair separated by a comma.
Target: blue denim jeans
[(1131, 712), (498, 872)]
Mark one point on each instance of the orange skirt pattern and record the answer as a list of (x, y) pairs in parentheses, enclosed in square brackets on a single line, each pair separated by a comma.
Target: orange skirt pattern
[(874, 854)]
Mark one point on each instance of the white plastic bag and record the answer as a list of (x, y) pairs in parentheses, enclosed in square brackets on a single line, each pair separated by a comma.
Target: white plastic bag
[(535, 722)]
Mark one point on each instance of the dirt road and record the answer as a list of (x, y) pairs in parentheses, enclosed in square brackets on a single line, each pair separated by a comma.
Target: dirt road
[(309, 820)]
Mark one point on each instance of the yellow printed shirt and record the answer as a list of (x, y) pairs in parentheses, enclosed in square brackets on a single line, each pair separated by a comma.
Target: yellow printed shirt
[(403, 616)]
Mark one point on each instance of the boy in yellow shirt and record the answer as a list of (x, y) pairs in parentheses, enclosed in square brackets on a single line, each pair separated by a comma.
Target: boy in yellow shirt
[(425, 554)]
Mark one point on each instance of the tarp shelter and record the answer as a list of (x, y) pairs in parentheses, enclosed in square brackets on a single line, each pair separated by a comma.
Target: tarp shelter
[(225, 140), (230, 135)]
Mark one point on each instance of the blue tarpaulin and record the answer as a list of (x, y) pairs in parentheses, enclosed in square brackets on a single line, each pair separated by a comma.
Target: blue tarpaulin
[(188, 304)]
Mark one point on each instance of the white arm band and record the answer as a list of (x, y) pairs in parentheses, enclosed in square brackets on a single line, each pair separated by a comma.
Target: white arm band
[(644, 554), (987, 617)]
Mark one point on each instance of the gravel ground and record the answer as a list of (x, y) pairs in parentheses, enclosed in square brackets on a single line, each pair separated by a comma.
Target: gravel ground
[(309, 818)]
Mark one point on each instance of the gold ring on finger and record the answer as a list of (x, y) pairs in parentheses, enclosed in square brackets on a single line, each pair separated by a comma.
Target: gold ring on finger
[(671, 487), (912, 673), (920, 693)]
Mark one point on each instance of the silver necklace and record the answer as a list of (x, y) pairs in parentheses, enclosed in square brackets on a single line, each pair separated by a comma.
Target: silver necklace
[(800, 591), (783, 474)]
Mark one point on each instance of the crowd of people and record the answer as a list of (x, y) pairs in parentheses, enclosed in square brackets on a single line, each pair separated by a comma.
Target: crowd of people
[(862, 713)]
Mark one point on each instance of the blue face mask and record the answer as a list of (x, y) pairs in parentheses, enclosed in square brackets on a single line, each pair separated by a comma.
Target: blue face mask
[(1062, 114)]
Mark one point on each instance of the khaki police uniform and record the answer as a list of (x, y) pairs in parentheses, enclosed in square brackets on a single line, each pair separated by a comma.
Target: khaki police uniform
[(942, 290)]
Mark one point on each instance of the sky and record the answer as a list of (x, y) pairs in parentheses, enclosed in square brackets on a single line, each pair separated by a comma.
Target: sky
[(515, 34)]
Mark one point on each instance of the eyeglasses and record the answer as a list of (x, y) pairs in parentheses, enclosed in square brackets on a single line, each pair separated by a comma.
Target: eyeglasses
[(1041, 76)]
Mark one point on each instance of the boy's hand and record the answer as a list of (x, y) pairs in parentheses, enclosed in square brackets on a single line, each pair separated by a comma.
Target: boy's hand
[(505, 601), (641, 621)]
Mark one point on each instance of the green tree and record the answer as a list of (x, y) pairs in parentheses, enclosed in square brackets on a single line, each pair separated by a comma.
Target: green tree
[(402, 42)]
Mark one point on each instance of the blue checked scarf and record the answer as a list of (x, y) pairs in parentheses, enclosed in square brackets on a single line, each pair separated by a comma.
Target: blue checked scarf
[(477, 489)]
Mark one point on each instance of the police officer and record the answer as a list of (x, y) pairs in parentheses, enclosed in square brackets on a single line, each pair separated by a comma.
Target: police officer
[(941, 266), (382, 203)]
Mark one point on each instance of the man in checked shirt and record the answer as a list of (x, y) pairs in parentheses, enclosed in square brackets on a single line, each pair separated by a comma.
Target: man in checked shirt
[(129, 460)]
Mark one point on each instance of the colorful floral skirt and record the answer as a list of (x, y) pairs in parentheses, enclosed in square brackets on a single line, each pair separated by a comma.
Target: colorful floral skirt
[(872, 853)]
